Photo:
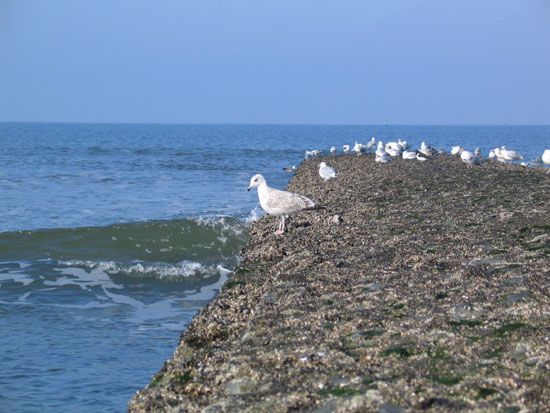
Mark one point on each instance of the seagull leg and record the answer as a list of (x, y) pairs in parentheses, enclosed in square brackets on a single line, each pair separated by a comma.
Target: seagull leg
[(281, 228)]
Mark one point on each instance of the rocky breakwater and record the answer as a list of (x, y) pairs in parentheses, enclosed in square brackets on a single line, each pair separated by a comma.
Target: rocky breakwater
[(422, 286)]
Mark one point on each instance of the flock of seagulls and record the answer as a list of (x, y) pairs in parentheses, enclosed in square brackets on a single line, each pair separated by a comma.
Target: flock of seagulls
[(386, 151), (283, 203)]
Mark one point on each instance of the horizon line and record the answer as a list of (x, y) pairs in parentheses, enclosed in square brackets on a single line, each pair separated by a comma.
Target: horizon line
[(268, 123)]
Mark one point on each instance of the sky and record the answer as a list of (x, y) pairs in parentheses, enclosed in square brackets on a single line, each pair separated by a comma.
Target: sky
[(276, 61)]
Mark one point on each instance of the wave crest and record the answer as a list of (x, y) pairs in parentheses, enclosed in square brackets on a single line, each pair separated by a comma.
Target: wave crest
[(206, 240)]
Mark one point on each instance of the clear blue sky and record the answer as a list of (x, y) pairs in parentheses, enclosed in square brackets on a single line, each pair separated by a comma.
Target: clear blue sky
[(276, 61)]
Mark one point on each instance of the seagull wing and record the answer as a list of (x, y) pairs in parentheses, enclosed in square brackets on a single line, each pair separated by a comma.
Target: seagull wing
[(283, 202)]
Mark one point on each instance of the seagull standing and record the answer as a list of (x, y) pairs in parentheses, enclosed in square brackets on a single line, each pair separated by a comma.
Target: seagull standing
[(370, 144), (546, 157), (380, 151), (345, 148), (509, 154), (333, 150), (468, 157), (326, 172), (403, 144), (426, 150), (313, 153), (393, 149), (280, 203), (457, 150)]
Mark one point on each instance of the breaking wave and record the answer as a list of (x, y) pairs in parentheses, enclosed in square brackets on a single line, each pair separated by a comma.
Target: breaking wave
[(163, 249)]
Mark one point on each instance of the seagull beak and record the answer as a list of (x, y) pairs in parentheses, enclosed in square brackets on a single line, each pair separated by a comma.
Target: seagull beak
[(249, 188)]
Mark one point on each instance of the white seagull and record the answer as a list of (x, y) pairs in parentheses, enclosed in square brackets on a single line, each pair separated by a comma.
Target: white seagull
[(393, 149), (409, 154), (403, 144), (457, 150), (370, 144), (380, 149), (280, 203), (421, 157), (546, 157), (383, 157), (326, 172), (345, 148), (469, 157), (312, 153), (333, 150), (509, 154), (358, 148), (426, 150)]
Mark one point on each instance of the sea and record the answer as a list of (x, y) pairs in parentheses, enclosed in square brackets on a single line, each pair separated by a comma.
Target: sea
[(113, 236)]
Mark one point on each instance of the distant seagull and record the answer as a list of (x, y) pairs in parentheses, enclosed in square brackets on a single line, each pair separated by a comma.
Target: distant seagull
[(370, 144), (358, 148), (496, 153), (426, 150), (290, 169), (345, 148), (280, 203), (456, 150), (468, 157), (333, 150), (546, 157), (383, 157), (380, 149), (409, 154), (326, 172), (393, 149), (403, 144), (509, 154), (313, 153), (421, 157)]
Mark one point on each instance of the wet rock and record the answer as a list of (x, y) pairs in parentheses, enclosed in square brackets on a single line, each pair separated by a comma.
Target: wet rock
[(240, 386), (519, 296), (391, 408), (270, 297), (374, 287)]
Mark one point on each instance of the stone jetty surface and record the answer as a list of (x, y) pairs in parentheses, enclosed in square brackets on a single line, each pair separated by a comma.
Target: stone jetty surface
[(423, 286)]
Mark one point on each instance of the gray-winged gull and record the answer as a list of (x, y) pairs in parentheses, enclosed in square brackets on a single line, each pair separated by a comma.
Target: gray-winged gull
[(280, 203)]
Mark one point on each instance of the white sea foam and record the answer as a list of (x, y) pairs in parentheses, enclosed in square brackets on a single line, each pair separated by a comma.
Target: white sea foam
[(82, 278), (181, 269), (255, 214), (17, 277), (227, 225)]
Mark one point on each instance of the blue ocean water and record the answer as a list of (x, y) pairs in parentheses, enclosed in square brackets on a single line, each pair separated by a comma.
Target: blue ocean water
[(113, 236)]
